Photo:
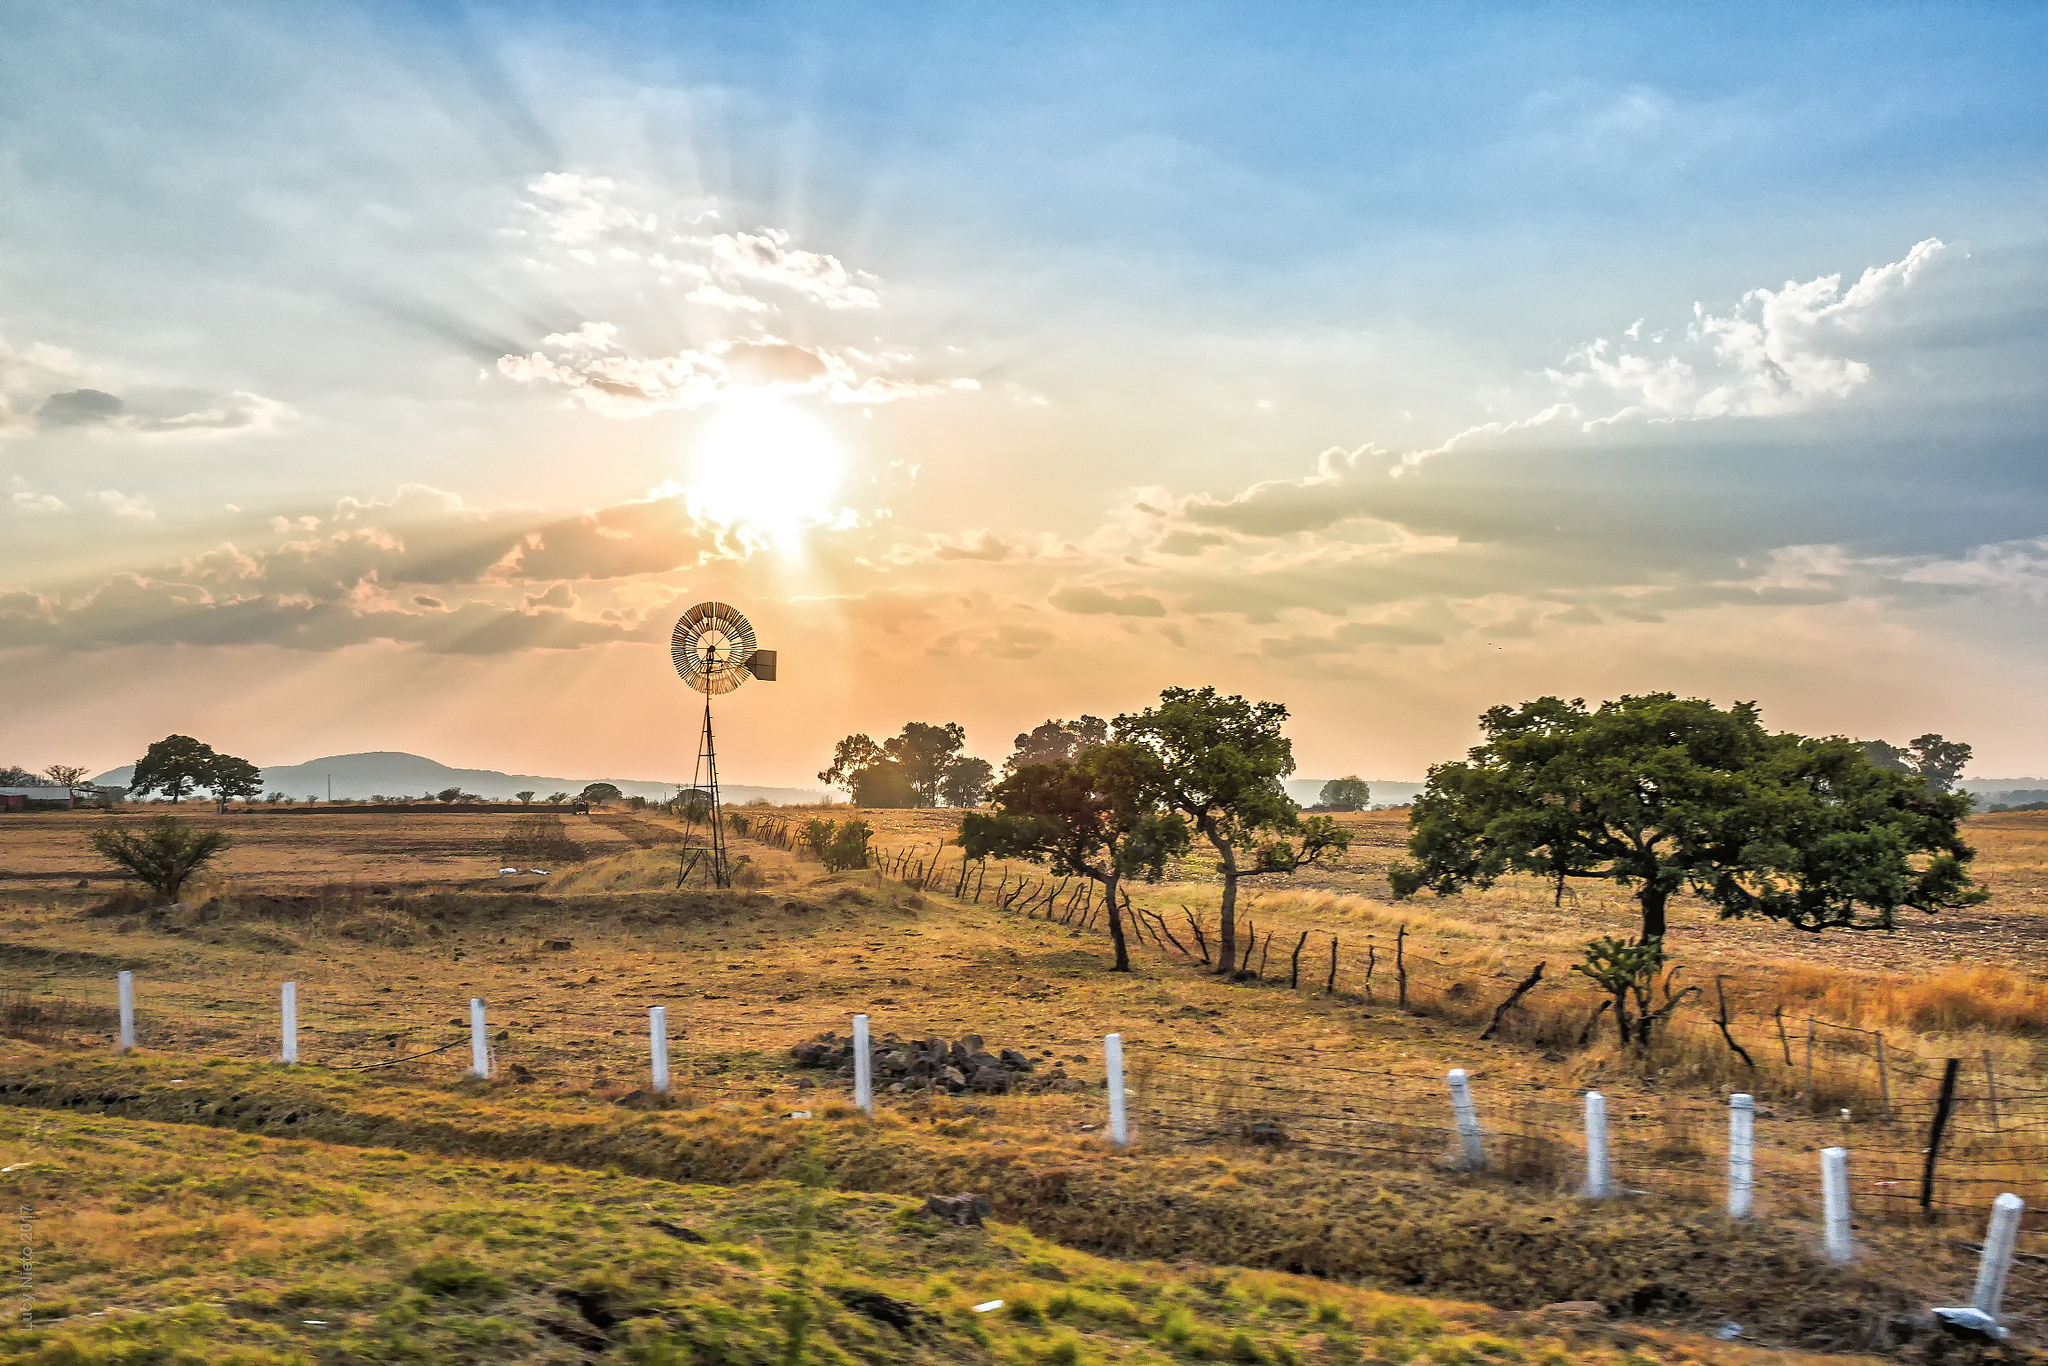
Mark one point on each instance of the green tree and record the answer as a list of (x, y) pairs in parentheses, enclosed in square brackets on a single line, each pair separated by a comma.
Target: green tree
[(227, 778), (173, 766), (1056, 740), (597, 794), (926, 753), (1345, 794), (850, 758), (1100, 815), (65, 775), (1221, 761), (163, 854), (883, 785), (1934, 759), (1665, 794), (967, 781), (523, 798)]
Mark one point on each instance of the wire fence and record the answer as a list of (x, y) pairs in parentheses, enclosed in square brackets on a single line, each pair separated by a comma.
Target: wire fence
[(1945, 1138)]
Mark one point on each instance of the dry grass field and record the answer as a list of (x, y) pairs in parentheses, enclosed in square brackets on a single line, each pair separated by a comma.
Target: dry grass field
[(390, 923)]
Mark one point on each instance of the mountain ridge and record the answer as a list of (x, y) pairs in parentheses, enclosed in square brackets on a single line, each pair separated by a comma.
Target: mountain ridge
[(396, 773)]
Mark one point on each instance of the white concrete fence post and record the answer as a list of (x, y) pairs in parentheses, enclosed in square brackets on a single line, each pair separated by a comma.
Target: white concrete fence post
[(863, 1068), (1113, 1071), (290, 1027), (1468, 1119), (479, 1041), (1741, 1155), (657, 1044), (1599, 1185), (1998, 1245), (126, 984), (1834, 1192)]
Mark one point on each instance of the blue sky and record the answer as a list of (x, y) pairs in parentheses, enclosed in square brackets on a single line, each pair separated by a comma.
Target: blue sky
[(1389, 362)]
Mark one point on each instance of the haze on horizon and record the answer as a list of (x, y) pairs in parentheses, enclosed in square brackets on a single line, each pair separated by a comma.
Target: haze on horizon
[(390, 379)]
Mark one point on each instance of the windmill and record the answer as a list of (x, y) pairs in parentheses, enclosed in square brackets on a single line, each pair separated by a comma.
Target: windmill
[(713, 648)]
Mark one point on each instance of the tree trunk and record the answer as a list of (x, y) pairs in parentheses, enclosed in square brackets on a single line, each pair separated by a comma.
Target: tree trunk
[(1226, 928), (1116, 926), (1653, 898)]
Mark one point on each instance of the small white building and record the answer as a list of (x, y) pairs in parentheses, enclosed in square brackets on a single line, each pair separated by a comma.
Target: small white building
[(38, 799)]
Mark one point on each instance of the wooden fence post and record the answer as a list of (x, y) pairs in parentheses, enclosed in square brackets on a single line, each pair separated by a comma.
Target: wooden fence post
[(1811, 1029), (1884, 1081), (1991, 1090), (1294, 973), (1401, 962), (1783, 1042), (1941, 1113), (1331, 987)]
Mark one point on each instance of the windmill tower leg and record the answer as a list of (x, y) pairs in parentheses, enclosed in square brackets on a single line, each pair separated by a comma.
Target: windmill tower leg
[(721, 875)]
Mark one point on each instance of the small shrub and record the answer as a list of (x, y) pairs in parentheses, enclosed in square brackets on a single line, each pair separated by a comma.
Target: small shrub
[(163, 855), (457, 1279)]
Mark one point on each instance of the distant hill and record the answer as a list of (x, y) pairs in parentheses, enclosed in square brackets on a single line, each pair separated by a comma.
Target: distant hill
[(2004, 791), (388, 773), (1385, 792)]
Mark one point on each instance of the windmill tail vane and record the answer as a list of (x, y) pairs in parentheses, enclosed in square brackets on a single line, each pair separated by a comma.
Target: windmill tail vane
[(715, 651)]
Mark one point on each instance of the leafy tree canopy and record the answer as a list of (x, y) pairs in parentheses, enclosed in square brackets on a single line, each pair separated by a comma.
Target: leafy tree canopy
[(227, 778), (1345, 794), (1664, 794), (1221, 761), (64, 775), (1055, 741), (598, 793), (1934, 759), (967, 781), (1099, 815), (173, 766), (883, 784), (911, 768)]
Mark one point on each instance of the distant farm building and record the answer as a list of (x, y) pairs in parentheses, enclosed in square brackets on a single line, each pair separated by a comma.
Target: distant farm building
[(37, 799)]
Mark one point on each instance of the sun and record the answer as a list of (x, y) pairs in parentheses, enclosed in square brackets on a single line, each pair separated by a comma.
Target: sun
[(766, 468)]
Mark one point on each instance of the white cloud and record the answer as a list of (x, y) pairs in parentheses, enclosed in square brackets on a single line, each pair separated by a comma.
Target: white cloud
[(45, 388), (25, 499), (1775, 353), (132, 506), (714, 297), (595, 369), (767, 256)]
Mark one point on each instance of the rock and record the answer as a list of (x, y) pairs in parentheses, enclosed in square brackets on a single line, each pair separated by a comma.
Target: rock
[(964, 1209), (1573, 1311), (559, 945), (993, 1080), (881, 1308), (688, 1235), (1016, 1061), (805, 1084), (1265, 1131), (1971, 1325), (896, 1088), (953, 1079)]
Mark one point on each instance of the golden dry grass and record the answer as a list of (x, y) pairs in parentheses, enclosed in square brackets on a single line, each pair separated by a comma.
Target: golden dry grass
[(387, 963)]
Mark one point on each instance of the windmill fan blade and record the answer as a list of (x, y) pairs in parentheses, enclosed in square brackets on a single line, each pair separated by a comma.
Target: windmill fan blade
[(711, 647)]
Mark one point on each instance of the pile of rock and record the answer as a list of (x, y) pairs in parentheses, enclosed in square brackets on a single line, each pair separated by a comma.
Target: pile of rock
[(962, 1065)]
